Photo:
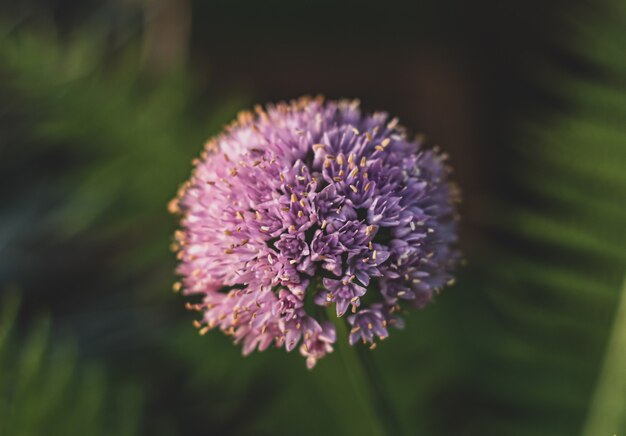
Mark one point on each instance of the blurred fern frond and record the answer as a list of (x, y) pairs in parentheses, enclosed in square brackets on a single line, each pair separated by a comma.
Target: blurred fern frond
[(45, 390), (555, 271)]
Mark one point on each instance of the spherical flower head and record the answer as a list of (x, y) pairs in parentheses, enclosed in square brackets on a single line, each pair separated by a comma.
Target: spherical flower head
[(312, 204)]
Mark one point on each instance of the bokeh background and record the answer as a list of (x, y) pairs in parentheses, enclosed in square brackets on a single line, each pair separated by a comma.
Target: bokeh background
[(103, 104)]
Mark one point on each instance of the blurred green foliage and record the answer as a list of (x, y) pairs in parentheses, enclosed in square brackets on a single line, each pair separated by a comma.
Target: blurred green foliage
[(46, 390), (92, 146)]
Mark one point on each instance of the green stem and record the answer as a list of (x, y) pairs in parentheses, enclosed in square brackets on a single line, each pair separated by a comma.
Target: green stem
[(383, 404), (365, 383), (606, 412)]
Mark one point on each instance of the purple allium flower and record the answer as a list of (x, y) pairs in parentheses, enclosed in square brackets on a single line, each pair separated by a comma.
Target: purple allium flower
[(312, 204)]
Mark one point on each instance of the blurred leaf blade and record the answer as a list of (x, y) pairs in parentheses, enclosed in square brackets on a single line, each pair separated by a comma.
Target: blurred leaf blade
[(45, 391), (607, 411)]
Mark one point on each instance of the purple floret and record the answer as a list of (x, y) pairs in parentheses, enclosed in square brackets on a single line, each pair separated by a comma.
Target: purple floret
[(314, 203)]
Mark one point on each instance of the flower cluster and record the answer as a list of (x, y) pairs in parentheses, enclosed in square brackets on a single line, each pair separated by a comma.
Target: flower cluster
[(313, 204)]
